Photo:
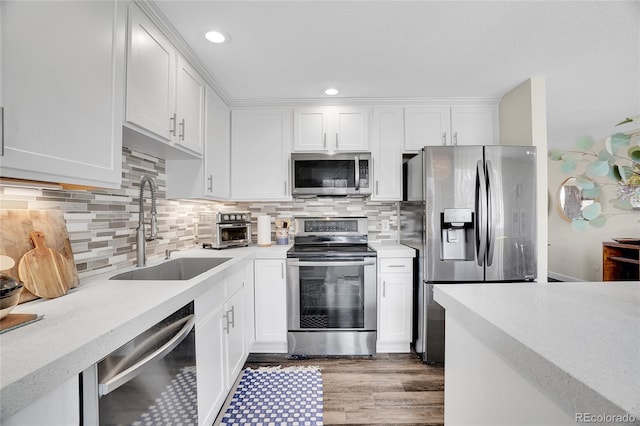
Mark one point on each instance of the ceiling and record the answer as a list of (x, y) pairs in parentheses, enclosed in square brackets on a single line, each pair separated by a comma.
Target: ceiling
[(587, 51)]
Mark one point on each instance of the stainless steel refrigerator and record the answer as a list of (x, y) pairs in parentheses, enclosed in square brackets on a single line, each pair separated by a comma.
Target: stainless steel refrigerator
[(470, 212)]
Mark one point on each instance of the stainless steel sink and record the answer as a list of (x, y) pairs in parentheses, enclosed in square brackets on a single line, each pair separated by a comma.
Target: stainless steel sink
[(183, 268)]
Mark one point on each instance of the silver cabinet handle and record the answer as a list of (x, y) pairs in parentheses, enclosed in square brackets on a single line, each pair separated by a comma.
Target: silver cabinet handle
[(233, 316), (357, 167), (122, 373), (455, 138), (396, 266), (337, 142), (210, 180), (225, 327), (172, 124), (377, 189), (181, 136), (324, 140), (444, 138), (384, 288), (282, 270)]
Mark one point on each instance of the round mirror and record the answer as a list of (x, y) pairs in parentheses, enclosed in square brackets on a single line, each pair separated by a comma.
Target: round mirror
[(571, 201)]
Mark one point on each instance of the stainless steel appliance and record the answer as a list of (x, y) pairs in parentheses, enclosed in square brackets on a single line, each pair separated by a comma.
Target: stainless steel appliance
[(224, 229), (150, 380), (470, 212), (331, 174), (331, 288)]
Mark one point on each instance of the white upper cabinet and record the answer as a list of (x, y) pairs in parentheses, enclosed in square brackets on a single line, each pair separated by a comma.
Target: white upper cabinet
[(63, 91), (331, 129), (217, 153), (260, 149), (386, 149), (190, 96), (165, 95), (446, 125)]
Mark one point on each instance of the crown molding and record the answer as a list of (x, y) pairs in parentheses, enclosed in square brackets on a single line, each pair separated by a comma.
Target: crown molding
[(377, 102)]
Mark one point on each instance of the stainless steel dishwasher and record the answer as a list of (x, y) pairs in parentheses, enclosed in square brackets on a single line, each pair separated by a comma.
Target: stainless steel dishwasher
[(150, 380)]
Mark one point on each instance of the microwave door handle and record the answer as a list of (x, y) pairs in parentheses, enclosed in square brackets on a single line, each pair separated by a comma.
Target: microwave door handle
[(357, 165), (122, 373)]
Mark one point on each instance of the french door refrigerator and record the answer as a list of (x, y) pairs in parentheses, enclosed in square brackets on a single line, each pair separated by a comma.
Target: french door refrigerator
[(470, 212)]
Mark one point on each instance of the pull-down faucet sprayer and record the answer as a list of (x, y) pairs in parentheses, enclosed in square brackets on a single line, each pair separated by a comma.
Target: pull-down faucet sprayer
[(141, 237)]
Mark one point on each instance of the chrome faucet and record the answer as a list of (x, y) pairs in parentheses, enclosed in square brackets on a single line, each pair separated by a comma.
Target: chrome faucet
[(141, 237)]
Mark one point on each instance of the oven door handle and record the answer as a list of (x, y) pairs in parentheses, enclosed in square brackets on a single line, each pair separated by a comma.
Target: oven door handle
[(123, 372), (296, 262)]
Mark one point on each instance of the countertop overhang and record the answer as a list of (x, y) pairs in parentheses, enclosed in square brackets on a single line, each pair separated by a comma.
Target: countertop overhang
[(578, 341)]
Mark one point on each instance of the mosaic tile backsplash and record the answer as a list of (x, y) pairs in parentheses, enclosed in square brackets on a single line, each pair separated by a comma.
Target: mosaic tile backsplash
[(102, 223)]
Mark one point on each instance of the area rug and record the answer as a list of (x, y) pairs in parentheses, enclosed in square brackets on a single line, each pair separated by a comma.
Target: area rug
[(289, 396)]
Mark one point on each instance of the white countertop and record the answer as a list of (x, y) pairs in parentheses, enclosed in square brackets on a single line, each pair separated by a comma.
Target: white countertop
[(92, 320), (392, 249), (579, 341)]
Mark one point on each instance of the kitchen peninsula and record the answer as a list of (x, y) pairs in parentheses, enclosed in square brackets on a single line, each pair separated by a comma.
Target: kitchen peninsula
[(560, 353)]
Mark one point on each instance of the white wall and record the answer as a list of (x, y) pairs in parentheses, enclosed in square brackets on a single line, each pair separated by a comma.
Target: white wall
[(577, 255), (523, 121)]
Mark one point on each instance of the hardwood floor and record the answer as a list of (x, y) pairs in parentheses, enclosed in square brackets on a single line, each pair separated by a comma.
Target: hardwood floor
[(385, 389)]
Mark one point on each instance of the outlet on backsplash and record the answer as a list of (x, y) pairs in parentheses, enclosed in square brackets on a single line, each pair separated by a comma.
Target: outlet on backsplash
[(384, 225)]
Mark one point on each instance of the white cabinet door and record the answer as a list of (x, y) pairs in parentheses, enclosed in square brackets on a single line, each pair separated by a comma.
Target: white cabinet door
[(151, 77), (210, 362), (331, 129), (189, 107), (474, 125), (270, 306), (260, 147), (395, 287), (350, 130), (386, 150), (217, 152), (62, 78), (311, 126), (429, 125), (236, 351)]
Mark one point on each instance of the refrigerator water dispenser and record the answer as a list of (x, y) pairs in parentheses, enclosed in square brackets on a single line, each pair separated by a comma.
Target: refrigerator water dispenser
[(457, 242)]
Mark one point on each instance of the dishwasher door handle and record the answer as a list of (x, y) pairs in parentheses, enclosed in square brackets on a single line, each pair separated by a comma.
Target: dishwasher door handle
[(123, 373)]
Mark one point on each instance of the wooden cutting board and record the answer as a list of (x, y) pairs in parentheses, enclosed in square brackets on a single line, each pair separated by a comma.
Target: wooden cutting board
[(43, 270), (15, 226)]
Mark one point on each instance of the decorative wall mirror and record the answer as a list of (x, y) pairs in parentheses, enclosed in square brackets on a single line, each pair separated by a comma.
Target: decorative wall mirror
[(570, 200)]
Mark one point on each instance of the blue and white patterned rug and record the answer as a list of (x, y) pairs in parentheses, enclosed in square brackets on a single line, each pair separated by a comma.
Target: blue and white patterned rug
[(289, 396)]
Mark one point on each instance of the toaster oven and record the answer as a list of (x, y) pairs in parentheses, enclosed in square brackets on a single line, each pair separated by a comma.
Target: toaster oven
[(224, 229)]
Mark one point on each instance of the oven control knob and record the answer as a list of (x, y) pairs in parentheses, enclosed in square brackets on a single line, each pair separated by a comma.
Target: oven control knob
[(233, 217), (244, 217), (225, 217)]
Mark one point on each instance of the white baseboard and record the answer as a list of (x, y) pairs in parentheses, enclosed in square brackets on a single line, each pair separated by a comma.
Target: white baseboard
[(562, 277)]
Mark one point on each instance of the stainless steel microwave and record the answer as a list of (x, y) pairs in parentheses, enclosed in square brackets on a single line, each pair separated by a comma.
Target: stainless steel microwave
[(331, 174)]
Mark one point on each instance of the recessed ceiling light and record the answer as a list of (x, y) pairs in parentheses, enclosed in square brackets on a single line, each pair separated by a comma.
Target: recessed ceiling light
[(331, 91), (216, 37)]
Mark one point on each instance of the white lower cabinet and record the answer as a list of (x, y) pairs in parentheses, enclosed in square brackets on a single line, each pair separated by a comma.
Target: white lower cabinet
[(270, 306), (395, 302), (59, 407), (220, 342)]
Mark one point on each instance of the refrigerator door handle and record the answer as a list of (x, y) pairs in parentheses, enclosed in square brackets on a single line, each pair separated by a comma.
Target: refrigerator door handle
[(481, 216), (491, 238)]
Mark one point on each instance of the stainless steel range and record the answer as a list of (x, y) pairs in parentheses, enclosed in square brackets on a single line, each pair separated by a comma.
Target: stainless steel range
[(331, 288)]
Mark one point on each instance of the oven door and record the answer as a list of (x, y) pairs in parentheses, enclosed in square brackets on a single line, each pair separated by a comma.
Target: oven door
[(331, 294)]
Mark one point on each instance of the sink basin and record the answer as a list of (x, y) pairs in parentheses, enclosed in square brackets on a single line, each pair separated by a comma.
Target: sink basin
[(179, 269)]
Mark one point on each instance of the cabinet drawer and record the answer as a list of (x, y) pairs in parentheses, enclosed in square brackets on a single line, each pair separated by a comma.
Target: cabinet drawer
[(234, 281), (396, 265), (210, 300)]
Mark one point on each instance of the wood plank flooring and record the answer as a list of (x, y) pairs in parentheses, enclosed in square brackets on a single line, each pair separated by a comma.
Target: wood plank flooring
[(385, 389)]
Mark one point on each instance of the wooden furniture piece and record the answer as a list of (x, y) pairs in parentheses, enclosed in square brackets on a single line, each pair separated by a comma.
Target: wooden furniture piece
[(620, 261)]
